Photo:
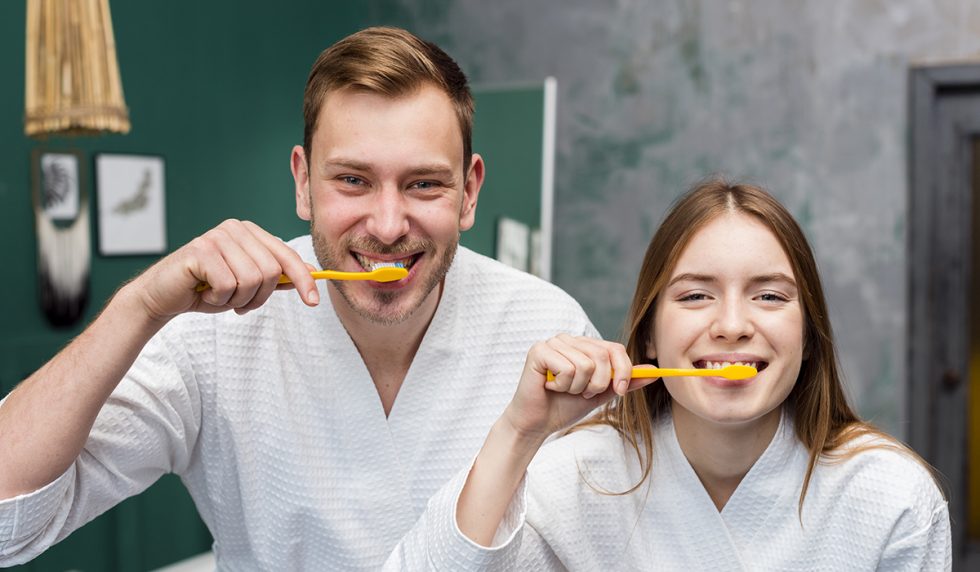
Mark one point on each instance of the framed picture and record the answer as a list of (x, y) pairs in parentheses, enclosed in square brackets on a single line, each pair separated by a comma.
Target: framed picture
[(58, 184), (132, 209)]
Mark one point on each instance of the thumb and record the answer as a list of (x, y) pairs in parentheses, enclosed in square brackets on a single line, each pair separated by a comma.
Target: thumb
[(640, 383)]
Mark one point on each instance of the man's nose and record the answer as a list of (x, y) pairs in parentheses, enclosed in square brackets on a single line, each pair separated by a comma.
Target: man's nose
[(389, 221)]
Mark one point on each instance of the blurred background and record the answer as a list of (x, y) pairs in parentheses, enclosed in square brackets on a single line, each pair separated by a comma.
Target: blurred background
[(813, 100)]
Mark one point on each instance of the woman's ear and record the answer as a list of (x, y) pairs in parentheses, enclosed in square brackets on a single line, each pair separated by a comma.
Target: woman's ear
[(651, 349)]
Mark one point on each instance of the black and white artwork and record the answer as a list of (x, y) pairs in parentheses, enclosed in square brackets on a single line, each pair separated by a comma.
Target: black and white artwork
[(59, 186), (132, 213)]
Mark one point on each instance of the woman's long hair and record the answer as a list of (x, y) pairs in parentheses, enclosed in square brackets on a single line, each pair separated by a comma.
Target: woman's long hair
[(824, 421)]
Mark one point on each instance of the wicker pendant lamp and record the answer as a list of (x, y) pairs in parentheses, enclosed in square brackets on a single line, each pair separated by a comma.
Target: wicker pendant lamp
[(72, 77)]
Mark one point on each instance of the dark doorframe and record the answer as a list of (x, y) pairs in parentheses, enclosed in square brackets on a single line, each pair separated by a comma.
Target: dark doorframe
[(944, 120)]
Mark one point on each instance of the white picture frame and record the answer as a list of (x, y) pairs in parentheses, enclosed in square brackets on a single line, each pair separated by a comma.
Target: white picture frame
[(132, 207)]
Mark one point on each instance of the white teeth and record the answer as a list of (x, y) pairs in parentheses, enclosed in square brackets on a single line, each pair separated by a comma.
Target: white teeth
[(721, 364), (370, 264)]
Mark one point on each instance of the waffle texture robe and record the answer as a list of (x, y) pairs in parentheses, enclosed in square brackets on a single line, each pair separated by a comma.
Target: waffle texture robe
[(275, 427), (879, 510)]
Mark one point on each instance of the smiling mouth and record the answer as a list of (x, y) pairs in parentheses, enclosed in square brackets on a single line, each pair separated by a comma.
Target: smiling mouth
[(370, 264), (704, 364)]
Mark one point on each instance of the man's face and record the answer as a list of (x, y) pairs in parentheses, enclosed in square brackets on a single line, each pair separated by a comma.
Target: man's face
[(384, 184)]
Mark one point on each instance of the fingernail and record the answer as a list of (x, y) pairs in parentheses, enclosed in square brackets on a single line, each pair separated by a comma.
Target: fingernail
[(314, 296), (588, 395)]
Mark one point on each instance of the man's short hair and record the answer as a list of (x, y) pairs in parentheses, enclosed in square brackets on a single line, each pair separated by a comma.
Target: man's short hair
[(390, 62)]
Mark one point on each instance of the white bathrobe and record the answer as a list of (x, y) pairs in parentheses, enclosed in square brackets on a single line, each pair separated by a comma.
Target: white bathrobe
[(274, 425), (879, 510)]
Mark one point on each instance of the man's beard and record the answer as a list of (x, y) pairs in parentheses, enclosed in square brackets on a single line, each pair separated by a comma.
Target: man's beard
[(381, 311)]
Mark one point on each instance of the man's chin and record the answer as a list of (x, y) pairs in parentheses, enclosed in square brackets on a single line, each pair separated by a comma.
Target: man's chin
[(383, 308)]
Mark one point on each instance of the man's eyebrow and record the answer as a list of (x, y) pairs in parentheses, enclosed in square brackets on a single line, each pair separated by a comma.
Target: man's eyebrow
[(424, 170), (434, 169), (351, 164)]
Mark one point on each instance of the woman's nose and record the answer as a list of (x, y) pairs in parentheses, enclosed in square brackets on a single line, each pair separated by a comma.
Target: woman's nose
[(733, 322)]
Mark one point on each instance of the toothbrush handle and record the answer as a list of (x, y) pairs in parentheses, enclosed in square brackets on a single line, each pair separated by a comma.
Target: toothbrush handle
[(329, 275), (642, 372)]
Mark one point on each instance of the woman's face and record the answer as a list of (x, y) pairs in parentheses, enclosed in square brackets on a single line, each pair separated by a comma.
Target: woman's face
[(732, 298)]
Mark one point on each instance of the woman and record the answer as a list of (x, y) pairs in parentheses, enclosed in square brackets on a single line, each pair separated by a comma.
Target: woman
[(774, 472)]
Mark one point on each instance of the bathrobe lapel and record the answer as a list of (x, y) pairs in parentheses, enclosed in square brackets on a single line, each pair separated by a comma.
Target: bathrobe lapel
[(763, 495)]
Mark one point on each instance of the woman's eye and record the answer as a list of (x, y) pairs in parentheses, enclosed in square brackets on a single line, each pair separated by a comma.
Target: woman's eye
[(693, 297), (772, 297)]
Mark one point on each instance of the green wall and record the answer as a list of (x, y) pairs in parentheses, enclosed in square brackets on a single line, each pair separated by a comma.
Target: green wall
[(216, 89), (508, 132)]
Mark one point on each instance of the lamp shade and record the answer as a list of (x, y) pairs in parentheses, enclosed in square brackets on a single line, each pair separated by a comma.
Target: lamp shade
[(72, 82)]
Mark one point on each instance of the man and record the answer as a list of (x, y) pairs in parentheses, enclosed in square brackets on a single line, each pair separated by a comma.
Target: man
[(310, 430)]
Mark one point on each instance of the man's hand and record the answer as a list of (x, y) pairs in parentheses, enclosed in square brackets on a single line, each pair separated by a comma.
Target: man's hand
[(239, 261)]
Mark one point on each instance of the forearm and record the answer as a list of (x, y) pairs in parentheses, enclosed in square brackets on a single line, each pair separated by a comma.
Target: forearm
[(46, 420), (493, 480)]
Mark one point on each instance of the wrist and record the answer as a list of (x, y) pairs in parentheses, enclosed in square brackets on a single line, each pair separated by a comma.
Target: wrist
[(519, 436), (129, 301)]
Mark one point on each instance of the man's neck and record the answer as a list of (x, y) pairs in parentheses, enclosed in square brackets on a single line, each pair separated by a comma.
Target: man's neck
[(722, 455), (387, 350)]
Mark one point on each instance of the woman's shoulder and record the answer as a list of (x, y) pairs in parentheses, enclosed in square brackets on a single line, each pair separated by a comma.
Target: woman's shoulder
[(591, 443), (588, 457), (880, 470)]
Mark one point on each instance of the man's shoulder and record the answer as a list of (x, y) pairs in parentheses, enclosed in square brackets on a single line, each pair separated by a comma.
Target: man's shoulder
[(476, 269), (303, 245)]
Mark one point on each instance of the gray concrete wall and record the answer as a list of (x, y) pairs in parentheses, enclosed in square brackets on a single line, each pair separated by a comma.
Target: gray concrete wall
[(806, 97)]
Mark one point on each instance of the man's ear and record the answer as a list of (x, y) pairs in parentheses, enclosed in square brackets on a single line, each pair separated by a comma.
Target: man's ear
[(301, 177), (471, 190)]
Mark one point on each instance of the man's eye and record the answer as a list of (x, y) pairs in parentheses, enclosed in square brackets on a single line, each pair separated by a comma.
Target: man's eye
[(424, 185), (351, 180)]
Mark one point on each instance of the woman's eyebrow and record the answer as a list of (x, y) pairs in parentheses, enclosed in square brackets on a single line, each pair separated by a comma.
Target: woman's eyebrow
[(773, 277), (760, 279), (692, 277)]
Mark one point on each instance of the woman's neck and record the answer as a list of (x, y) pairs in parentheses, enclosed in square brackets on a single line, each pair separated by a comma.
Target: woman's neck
[(722, 454)]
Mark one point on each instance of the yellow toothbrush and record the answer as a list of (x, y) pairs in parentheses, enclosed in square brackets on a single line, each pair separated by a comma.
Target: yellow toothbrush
[(382, 274), (728, 372)]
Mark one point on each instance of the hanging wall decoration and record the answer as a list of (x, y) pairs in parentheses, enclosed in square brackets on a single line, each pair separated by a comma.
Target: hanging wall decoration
[(132, 214), (61, 218), (72, 84), (71, 87)]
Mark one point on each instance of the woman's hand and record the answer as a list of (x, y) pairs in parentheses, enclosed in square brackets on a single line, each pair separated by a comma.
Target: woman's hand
[(588, 373)]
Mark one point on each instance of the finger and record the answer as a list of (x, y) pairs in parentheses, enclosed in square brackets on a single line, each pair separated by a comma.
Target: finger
[(609, 357), (290, 285), (583, 366), (247, 274), (640, 383), (542, 359), (622, 367), (206, 264), (290, 263), (263, 260)]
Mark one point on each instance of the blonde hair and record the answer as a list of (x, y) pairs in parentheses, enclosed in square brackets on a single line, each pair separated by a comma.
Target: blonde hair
[(390, 62), (824, 421)]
